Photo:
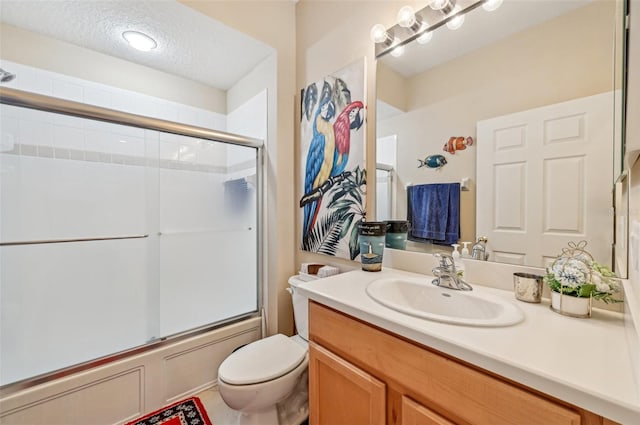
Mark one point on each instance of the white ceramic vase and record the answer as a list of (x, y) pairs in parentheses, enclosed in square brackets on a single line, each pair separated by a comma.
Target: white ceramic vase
[(570, 306)]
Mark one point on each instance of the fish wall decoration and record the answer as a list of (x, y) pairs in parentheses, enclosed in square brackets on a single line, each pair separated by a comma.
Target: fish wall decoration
[(433, 161), (457, 144)]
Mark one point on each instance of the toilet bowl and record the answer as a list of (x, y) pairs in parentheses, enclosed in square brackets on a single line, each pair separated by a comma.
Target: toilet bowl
[(259, 375)]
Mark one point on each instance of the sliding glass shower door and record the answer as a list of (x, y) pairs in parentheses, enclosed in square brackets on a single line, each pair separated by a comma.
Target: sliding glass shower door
[(112, 236), (207, 237)]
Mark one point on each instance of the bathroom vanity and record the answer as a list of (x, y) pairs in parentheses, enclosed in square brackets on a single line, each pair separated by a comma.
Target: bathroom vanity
[(370, 364)]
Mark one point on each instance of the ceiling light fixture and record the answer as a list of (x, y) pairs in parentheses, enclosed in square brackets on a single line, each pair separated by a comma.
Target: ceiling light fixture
[(438, 4), (406, 17), (380, 35), (139, 41), (419, 25)]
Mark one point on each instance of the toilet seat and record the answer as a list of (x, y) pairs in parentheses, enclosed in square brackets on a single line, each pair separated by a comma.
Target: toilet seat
[(261, 361)]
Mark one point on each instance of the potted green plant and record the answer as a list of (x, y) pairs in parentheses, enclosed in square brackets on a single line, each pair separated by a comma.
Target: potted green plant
[(575, 279)]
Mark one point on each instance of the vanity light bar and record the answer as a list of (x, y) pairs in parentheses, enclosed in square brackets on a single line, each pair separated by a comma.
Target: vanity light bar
[(429, 20)]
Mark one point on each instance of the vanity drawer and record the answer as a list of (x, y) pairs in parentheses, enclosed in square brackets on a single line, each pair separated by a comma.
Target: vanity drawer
[(457, 391)]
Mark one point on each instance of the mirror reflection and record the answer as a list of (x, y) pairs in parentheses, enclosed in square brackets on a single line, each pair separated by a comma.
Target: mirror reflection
[(516, 110)]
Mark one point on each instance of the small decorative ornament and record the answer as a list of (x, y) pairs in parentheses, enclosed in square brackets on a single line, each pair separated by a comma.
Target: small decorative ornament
[(575, 279), (433, 161), (457, 144)]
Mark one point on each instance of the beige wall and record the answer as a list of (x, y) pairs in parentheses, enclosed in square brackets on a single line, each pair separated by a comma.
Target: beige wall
[(331, 35), (566, 58), (32, 49), (272, 22), (261, 77), (391, 87)]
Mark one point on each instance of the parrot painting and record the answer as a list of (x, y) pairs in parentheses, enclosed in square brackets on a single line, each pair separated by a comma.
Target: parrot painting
[(320, 159), (349, 119), (333, 195)]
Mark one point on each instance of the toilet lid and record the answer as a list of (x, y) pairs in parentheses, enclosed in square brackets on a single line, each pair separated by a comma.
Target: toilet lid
[(261, 361)]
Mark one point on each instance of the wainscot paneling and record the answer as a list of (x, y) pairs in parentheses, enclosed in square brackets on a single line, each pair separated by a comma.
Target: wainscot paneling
[(114, 393)]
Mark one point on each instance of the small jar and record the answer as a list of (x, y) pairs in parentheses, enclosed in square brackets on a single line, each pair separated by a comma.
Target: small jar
[(527, 287), (396, 236)]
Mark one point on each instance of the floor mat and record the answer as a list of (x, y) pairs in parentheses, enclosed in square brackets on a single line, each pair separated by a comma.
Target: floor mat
[(185, 412)]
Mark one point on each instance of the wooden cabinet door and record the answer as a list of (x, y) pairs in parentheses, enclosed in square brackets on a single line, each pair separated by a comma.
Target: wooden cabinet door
[(470, 395), (417, 414), (342, 394)]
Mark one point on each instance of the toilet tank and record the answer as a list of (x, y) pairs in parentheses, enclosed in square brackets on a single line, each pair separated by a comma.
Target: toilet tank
[(300, 307)]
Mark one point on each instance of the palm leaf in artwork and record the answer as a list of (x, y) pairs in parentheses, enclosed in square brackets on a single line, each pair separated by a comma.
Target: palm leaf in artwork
[(354, 243), (347, 200), (325, 236), (346, 212)]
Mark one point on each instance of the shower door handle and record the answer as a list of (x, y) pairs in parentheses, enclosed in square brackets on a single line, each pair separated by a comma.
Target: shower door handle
[(46, 241)]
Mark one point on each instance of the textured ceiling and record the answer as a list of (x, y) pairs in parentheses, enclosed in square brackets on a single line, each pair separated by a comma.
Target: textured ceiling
[(190, 44)]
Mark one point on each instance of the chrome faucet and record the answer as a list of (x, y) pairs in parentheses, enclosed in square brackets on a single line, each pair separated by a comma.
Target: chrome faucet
[(447, 275), (479, 249)]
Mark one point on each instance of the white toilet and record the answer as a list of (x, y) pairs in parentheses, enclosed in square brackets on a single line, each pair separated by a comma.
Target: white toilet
[(259, 375)]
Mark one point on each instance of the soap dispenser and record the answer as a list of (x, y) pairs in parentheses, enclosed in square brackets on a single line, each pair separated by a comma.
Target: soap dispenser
[(455, 254), (457, 260), (465, 249)]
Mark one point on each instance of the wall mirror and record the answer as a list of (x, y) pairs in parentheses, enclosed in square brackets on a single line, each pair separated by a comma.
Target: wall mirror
[(507, 78)]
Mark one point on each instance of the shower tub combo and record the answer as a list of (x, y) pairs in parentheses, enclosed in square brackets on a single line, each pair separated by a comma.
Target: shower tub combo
[(129, 259)]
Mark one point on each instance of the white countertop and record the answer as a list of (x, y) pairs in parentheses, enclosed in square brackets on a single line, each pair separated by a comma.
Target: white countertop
[(585, 362)]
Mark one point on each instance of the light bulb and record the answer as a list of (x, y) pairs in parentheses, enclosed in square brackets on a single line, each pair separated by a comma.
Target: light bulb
[(425, 37), (457, 20), (491, 5), (378, 33), (397, 51), (438, 4), (139, 41), (406, 17)]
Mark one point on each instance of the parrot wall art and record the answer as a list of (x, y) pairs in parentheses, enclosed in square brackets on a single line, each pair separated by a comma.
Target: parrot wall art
[(332, 156)]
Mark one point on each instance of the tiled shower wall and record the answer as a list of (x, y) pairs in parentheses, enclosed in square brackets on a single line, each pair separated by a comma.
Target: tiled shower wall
[(65, 87)]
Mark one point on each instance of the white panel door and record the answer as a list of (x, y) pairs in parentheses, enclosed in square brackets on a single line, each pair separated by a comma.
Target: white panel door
[(545, 177)]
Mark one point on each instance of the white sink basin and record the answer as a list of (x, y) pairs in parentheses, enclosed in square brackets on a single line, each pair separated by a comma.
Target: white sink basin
[(419, 297)]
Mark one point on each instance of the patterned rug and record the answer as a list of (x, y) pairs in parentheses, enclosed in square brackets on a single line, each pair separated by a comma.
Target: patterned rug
[(185, 412)]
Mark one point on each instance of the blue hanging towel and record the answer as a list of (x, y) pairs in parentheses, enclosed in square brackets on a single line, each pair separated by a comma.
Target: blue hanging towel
[(434, 213)]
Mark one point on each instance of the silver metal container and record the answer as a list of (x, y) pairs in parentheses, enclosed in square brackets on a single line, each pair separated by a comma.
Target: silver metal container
[(527, 287)]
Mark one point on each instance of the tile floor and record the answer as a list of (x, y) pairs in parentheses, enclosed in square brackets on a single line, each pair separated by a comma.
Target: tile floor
[(218, 411), (221, 414)]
